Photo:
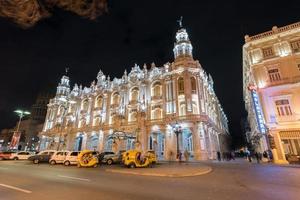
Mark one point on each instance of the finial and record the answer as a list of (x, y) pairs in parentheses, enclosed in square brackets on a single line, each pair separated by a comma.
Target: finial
[(180, 21), (67, 70)]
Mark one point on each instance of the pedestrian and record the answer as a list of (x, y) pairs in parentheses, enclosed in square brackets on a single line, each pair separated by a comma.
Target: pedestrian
[(219, 156), (248, 155), (257, 157), (232, 155), (180, 157), (186, 155), (270, 155)]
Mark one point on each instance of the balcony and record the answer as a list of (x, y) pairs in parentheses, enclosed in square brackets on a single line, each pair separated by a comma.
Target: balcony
[(283, 81), (288, 118), (154, 98)]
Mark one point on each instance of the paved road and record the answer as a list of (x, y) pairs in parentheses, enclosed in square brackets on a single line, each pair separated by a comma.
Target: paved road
[(238, 180)]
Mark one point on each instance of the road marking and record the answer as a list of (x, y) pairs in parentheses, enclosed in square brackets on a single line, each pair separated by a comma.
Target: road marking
[(75, 178), (3, 168), (15, 188)]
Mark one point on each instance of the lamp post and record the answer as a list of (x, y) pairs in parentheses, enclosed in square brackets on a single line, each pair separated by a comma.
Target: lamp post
[(21, 114), (177, 130)]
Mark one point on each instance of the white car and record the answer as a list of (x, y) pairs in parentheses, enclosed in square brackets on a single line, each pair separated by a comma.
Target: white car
[(22, 155), (71, 158), (58, 157)]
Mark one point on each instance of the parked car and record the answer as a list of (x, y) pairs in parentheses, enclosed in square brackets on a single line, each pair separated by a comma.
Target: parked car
[(58, 157), (112, 158), (5, 155), (71, 158), (22, 155), (43, 156), (102, 154)]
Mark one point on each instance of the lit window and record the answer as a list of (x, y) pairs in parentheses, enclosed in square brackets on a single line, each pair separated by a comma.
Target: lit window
[(99, 102), (193, 85), (84, 105), (274, 75), (295, 46), (156, 89), (298, 67), (134, 95), (115, 99), (268, 52), (283, 107), (180, 85)]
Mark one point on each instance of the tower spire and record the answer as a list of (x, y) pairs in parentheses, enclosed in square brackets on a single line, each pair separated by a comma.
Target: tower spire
[(180, 22)]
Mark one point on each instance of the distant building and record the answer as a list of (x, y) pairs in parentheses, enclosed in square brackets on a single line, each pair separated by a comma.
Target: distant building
[(271, 76), (140, 110), (29, 126)]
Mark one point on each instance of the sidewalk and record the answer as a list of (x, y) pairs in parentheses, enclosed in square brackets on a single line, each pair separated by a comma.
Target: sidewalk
[(166, 170)]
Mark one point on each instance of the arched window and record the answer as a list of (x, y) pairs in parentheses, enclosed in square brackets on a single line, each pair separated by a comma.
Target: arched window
[(193, 85), (60, 110), (96, 121), (156, 113), (99, 102), (113, 118), (182, 110), (133, 116), (85, 105), (180, 86), (156, 89), (115, 99), (134, 94), (81, 123), (195, 108)]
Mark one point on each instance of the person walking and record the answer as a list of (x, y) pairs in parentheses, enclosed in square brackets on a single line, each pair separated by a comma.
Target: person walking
[(257, 156), (219, 156), (186, 155)]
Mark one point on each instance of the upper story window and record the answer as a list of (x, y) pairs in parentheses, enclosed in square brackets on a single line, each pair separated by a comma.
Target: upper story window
[(180, 86), (156, 89), (268, 52), (99, 102), (298, 66), (295, 46), (115, 99), (283, 107), (134, 94), (85, 104), (193, 85), (274, 75)]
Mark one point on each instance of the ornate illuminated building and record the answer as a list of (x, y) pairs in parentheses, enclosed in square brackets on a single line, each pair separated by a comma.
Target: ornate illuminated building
[(140, 110), (271, 75)]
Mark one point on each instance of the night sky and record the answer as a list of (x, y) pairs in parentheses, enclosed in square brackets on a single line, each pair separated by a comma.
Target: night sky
[(133, 31)]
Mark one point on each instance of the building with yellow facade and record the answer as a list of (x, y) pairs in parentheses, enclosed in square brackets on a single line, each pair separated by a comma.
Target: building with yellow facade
[(271, 87)]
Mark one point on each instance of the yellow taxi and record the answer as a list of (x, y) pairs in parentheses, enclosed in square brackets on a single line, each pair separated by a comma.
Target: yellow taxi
[(136, 158)]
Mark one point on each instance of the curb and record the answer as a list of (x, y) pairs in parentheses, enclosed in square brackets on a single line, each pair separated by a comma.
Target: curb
[(206, 171)]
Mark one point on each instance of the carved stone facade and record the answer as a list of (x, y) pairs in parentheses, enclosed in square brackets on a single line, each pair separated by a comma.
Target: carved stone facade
[(140, 109)]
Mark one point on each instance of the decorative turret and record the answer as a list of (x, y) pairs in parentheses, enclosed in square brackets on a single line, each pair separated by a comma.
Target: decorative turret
[(182, 46), (63, 88)]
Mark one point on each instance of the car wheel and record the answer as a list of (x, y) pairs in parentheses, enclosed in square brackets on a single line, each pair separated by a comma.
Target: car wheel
[(16, 158), (95, 165), (36, 161), (109, 162), (52, 162), (132, 165), (67, 163)]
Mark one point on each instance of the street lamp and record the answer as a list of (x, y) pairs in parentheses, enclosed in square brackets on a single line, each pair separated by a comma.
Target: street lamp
[(177, 130), (21, 114)]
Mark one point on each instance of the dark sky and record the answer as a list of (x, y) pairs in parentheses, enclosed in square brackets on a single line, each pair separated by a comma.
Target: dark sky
[(134, 31)]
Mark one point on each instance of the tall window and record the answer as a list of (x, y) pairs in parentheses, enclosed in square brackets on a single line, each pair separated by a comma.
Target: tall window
[(99, 102), (298, 67), (115, 99), (283, 107), (156, 89), (193, 85), (157, 113), (134, 95), (180, 85), (85, 104), (133, 116), (274, 75), (268, 52), (295, 46)]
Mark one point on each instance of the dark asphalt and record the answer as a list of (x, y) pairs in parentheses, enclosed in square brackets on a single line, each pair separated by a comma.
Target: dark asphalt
[(229, 180)]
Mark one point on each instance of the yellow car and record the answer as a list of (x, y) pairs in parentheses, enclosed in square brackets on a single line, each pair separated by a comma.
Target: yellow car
[(87, 158), (135, 158), (152, 156)]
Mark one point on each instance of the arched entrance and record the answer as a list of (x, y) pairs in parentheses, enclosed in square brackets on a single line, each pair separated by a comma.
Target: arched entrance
[(93, 142), (186, 141), (157, 144), (78, 142)]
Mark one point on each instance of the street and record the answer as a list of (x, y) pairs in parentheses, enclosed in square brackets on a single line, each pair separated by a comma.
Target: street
[(228, 180)]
